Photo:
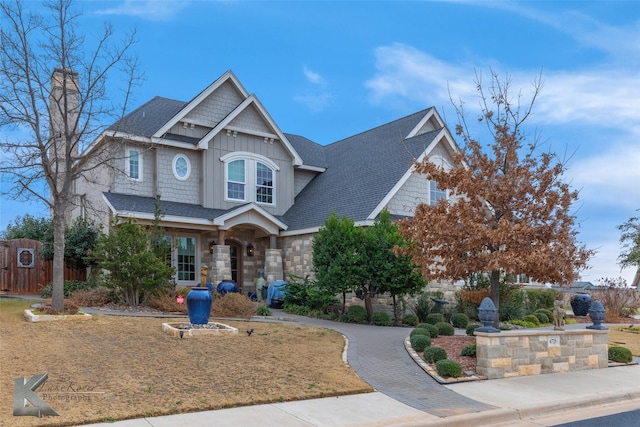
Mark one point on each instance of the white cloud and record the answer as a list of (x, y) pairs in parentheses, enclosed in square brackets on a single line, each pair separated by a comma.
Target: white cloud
[(312, 76), (317, 97), (151, 10), (609, 177)]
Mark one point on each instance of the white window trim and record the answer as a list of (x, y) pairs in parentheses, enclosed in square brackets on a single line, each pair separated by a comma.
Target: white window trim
[(174, 258), (175, 171), (273, 184), (446, 193), (250, 172), (127, 166), (226, 181)]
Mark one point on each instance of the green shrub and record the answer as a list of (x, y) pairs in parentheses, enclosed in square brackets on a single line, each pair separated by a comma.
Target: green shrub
[(433, 354), (263, 310), (531, 319), (448, 368), (524, 323), (356, 314), (381, 319), (542, 318), (445, 329), (620, 354), (433, 330), (410, 319), (434, 318), (546, 311), (420, 331), (420, 342), (469, 350), (541, 298), (460, 320), (472, 327), (70, 286)]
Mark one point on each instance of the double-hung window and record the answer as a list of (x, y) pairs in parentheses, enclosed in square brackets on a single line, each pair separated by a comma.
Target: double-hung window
[(236, 179), (245, 172), (134, 164), (436, 194), (264, 183)]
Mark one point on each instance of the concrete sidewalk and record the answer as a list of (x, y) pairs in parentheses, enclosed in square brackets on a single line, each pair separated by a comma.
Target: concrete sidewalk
[(516, 400)]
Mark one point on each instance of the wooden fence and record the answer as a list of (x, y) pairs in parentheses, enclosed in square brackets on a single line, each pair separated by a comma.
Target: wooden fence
[(22, 271)]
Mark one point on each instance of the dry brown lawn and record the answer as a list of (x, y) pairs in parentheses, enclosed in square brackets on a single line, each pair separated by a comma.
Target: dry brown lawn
[(113, 368), (628, 337)]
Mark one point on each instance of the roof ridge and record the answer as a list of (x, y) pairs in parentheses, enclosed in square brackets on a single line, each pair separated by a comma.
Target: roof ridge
[(421, 112)]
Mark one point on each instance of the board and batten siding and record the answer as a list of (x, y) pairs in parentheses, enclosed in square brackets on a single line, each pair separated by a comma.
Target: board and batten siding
[(214, 184)]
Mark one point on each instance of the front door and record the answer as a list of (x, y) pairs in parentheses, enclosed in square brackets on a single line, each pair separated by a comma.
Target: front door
[(236, 262)]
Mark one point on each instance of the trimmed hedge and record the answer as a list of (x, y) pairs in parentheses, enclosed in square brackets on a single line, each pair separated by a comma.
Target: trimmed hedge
[(468, 350), (356, 314), (620, 354), (381, 319), (448, 368), (410, 319), (432, 329), (420, 342), (434, 318), (531, 319), (542, 318), (445, 329), (69, 287), (460, 320), (419, 331), (472, 327), (433, 354)]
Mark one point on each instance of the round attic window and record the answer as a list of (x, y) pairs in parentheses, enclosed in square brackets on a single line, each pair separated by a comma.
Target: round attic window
[(181, 167)]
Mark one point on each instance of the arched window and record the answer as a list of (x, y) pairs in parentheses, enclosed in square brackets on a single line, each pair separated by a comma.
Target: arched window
[(244, 170)]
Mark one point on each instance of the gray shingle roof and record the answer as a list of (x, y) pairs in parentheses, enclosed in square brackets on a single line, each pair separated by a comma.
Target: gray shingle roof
[(313, 154), (127, 202), (151, 116), (361, 170)]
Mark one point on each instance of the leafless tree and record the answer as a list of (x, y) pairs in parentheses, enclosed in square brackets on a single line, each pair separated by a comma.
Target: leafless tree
[(57, 91), (511, 211)]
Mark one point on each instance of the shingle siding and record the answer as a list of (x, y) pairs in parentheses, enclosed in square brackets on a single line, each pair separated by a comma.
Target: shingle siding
[(414, 191), (172, 189)]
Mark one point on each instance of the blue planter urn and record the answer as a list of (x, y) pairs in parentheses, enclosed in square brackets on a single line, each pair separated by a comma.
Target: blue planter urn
[(580, 304), (199, 305)]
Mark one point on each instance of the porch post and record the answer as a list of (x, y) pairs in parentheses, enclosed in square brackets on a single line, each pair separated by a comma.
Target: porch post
[(220, 268), (273, 265)]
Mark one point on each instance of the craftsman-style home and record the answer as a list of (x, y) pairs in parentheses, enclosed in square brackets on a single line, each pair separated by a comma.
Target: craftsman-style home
[(238, 194)]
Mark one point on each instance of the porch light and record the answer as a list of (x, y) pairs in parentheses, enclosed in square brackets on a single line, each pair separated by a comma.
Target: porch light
[(250, 250), (212, 246)]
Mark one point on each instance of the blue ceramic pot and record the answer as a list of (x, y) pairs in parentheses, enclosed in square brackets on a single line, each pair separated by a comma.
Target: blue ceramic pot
[(227, 286), (580, 304), (199, 305)]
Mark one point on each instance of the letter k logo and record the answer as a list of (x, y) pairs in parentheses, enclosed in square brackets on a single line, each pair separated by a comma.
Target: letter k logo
[(25, 394)]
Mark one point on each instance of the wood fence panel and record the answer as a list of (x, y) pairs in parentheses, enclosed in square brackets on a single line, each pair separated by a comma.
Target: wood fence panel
[(22, 271)]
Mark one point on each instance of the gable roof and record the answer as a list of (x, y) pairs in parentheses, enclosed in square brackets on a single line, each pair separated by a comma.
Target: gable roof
[(368, 164), (147, 119)]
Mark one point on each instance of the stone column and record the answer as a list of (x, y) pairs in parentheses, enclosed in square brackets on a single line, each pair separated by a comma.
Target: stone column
[(273, 265), (220, 268)]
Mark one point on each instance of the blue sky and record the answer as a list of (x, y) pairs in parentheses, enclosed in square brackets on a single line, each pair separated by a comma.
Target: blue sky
[(328, 70)]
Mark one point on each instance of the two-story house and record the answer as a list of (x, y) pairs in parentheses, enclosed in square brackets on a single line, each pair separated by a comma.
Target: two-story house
[(238, 194)]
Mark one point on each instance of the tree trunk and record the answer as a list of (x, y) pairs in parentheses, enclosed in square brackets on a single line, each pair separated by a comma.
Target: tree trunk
[(495, 295), (344, 301), (57, 295), (368, 306)]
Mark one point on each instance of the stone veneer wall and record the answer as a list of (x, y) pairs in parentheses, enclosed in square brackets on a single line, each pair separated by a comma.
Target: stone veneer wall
[(526, 352)]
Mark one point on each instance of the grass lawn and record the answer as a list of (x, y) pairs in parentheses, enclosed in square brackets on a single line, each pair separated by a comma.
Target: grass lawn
[(113, 368)]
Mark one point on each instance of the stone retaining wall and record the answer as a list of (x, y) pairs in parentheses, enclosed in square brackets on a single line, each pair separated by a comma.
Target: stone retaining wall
[(532, 352)]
